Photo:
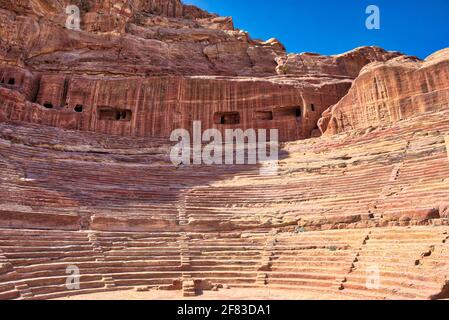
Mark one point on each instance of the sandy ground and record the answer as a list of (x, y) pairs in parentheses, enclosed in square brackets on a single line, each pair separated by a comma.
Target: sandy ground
[(223, 294)]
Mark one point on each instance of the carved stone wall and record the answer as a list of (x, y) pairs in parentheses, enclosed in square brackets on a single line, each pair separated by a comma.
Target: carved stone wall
[(161, 104)]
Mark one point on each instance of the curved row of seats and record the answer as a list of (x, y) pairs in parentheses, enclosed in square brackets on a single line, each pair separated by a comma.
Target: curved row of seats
[(411, 263), (385, 173), (387, 176), (334, 178)]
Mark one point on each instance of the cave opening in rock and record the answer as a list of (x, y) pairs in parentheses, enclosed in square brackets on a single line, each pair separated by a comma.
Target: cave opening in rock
[(288, 112), (48, 105), (312, 107), (264, 115), (227, 118), (78, 108), (114, 114), (123, 115), (12, 81)]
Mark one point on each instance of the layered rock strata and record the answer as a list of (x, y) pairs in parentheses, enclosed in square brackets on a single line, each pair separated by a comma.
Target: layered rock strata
[(86, 178), (387, 92), (162, 65)]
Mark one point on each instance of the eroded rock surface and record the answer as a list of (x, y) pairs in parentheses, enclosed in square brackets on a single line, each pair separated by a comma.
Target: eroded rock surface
[(387, 92), (86, 178), (165, 64)]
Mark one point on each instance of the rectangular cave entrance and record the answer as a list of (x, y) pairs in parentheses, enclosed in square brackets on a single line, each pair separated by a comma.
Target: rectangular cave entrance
[(114, 114), (264, 115), (288, 112), (227, 118), (10, 81)]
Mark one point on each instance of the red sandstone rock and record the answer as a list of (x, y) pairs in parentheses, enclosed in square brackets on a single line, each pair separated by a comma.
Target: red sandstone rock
[(127, 49), (387, 92), (106, 198), (347, 64), (443, 209), (141, 37)]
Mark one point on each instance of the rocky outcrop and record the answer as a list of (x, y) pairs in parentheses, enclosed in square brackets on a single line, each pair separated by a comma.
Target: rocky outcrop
[(343, 65), (86, 178), (387, 92), (203, 67), (129, 38)]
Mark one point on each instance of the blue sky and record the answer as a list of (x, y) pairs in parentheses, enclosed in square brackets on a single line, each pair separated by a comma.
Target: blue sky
[(414, 27)]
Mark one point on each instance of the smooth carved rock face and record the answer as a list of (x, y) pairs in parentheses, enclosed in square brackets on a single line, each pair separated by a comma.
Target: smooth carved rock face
[(159, 105), (387, 92)]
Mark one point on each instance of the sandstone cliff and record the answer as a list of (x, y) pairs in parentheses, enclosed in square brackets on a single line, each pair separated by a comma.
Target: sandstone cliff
[(165, 64), (130, 37), (105, 197), (387, 92)]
